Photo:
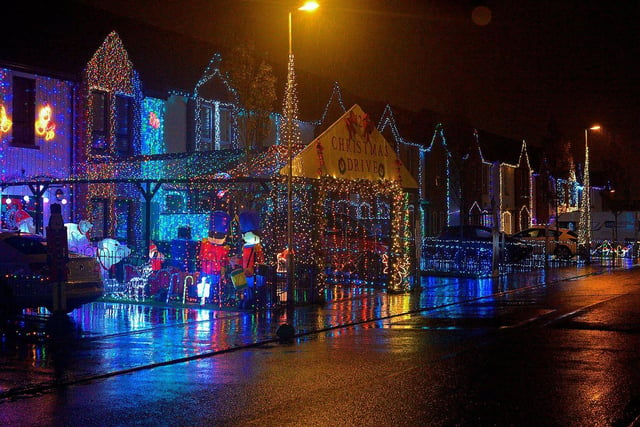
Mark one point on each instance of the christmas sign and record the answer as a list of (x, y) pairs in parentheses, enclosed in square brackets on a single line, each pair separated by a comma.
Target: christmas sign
[(352, 148)]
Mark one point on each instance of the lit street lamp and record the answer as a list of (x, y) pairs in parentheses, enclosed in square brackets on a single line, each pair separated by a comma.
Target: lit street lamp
[(584, 237), (308, 7)]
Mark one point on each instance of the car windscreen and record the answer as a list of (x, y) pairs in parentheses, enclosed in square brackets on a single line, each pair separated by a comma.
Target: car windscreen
[(28, 245)]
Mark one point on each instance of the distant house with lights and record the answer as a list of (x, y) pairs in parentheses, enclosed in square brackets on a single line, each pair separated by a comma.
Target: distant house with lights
[(496, 187), (421, 143)]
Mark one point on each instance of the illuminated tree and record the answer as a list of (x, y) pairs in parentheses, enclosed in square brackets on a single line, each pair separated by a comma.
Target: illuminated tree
[(255, 83), (289, 128)]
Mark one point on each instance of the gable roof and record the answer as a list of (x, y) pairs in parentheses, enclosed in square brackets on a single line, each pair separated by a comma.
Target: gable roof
[(60, 41), (351, 148), (496, 148)]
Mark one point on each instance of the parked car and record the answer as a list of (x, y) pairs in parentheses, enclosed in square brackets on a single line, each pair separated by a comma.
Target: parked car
[(512, 249), (561, 242), (25, 281)]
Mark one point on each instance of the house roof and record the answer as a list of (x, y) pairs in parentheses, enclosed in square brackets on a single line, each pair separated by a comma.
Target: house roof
[(60, 41), (496, 148)]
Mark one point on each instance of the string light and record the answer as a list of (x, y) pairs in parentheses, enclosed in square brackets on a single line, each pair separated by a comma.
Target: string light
[(213, 71), (110, 71), (5, 121), (44, 125)]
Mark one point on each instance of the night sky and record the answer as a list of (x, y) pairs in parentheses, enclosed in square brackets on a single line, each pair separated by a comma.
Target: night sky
[(574, 61)]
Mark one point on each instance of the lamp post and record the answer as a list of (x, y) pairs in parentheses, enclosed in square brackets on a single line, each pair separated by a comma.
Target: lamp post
[(308, 7), (585, 219)]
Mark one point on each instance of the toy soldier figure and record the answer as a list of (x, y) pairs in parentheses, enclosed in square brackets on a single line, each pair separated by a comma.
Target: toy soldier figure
[(214, 256)]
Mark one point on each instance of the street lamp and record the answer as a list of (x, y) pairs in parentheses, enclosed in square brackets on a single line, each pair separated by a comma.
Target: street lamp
[(307, 7), (585, 220)]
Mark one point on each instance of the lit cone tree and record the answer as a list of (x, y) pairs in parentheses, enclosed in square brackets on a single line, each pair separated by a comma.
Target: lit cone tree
[(291, 137), (584, 231), (289, 128)]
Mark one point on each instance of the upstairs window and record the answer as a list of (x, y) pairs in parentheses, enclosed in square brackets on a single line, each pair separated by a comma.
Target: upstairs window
[(24, 112), (100, 217), (100, 121), (216, 127), (206, 127), (123, 226), (226, 128), (124, 121)]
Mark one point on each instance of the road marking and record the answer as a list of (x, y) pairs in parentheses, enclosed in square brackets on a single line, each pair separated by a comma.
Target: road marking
[(580, 310)]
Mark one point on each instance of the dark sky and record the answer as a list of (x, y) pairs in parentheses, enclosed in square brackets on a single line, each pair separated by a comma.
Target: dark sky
[(575, 61)]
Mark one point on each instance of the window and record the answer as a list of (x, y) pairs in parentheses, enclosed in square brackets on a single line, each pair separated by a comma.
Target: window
[(124, 127), (206, 123), (206, 128), (99, 115), (100, 215), (24, 112), (226, 129), (123, 220)]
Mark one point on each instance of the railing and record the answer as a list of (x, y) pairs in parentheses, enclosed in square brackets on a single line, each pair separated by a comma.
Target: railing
[(475, 258)]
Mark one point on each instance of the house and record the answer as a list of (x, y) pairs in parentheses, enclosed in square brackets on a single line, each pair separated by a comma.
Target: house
[(496, 183), (36, 136)]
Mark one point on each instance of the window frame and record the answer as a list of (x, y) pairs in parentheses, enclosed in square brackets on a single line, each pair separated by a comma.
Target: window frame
[(207, 126), (23, 134), (123, 140), (104, 130)]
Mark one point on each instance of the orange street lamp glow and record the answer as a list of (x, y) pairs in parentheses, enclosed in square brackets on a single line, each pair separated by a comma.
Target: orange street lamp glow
[(595, 127), (309, 6)]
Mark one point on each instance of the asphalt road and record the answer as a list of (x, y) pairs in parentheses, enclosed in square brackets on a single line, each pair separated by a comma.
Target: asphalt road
[(561, 354)]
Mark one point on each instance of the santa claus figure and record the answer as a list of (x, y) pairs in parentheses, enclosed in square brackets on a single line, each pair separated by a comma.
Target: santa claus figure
[(252, 255), (155, 257), (23, 220), (213, 256)]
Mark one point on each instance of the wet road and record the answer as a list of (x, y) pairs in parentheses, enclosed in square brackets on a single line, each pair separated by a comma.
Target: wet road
[(508, 352)]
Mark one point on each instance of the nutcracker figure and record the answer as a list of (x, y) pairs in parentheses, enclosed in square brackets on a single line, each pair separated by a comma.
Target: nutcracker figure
[(213, 256), (252, 255)]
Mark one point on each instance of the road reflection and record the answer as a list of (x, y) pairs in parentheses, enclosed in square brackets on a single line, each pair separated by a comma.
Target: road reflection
[(105, 339)]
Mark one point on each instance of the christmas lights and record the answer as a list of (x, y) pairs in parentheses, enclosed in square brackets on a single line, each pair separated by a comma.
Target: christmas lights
[(215, 125), (584, 227), (44, 125), (5, 121)]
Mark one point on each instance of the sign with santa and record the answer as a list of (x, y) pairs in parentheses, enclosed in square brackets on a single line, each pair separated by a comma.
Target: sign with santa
[(352, 148)]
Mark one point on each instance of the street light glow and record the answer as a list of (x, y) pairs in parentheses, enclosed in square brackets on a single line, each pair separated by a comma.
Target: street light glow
[(595, 127), (309, 6)]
